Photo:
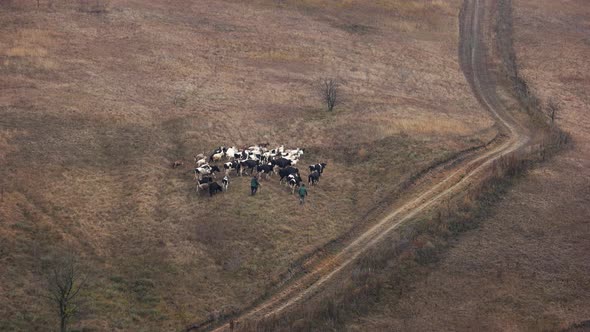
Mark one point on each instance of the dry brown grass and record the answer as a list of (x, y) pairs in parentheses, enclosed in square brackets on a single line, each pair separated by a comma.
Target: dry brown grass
[(524, 267), (86, 144)]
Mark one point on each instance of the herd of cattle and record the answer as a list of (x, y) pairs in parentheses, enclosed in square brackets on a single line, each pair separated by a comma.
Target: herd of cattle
[(255, 160)]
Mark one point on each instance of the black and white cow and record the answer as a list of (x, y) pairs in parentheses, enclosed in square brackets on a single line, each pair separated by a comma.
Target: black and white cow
[(225, 182), (284, 172), (313, 178), (265, 169), (318, 167), (248, 164), (294, 181), (205, 170), (214, 188), (232, 165)]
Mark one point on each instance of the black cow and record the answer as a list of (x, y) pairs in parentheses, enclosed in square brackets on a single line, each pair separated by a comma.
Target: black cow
[(313, 178), (203, 183), (264, 169), (249, 164), (318, 167), (284, 172), (214, 188), (281, 162)]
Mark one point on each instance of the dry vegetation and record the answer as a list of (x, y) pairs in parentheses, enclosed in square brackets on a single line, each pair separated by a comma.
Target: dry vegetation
[(97, 103), (485, 261)]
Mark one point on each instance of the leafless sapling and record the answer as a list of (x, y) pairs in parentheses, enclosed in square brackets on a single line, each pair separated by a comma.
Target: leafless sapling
[(329, 91), (552, 109), (65, 281)]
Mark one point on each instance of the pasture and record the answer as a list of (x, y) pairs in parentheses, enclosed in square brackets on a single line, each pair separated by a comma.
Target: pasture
[(97, 107)]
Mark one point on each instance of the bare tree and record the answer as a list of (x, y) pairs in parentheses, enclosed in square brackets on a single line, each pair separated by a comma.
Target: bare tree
[(552, 109), (329, 92), (65, 283)]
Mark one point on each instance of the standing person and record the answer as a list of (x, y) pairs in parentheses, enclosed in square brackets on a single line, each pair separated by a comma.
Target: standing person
[(302, 194), (254, 184)]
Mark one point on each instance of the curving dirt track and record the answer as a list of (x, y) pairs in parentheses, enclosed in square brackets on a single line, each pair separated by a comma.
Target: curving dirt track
[(472, 55)]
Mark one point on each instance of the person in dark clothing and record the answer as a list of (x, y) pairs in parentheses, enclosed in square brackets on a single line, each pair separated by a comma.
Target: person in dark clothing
[(254, 184), (302, 193)]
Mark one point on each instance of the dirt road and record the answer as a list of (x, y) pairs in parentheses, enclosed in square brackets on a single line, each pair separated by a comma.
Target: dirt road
[(474, 64)]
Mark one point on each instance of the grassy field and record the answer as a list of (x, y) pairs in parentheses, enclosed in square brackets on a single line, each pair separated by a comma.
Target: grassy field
[(96, 105), (522, 265)]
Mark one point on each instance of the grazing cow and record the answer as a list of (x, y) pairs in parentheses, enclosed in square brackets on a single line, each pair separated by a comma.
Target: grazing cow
[(214, 188), (201, 162), (295, 154), (231, 152), (294, 181), (235, 165), (216, 156), (283, 173), (206, 170), (225, 183), (219, 150), (249, 164), (199, 156), (313, 178), (264, 169), (282, 162), (269, 156), (203, 183), (177, 163), (318, 167)]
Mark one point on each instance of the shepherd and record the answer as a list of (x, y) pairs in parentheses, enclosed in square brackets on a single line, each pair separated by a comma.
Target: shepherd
[(302, 194), (254, 184)]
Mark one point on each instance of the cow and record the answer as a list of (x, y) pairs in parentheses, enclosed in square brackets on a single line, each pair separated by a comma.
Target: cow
[(281, 162), (295, 154), (225, 183), (205, 170), (230, 153), (199, 156), (203, 183), (317, 167), (232, 165), (283, 173), (220, 149), (200, 162), (294, 181), (249, 164), (264, 169), (216, 156), (214, 188), (313, 178)]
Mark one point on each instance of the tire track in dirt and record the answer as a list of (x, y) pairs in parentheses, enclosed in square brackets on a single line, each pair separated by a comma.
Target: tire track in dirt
[(473, 60)]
